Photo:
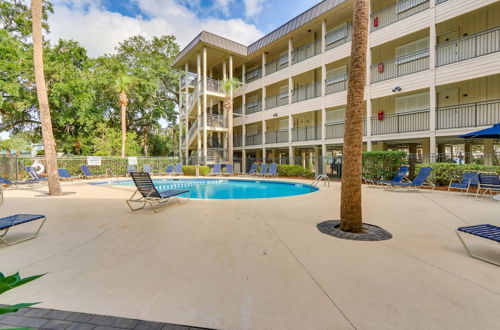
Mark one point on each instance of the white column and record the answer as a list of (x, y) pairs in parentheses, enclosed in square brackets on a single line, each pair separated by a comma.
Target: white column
[(262, 79), (432, 83), (205, 142), (186, 115), (368, 90), (224, 73), (181, 105), (323, 81), (230, 119), (243, 161), (198, 116), (290, 51), (323, 36), (264, 129)]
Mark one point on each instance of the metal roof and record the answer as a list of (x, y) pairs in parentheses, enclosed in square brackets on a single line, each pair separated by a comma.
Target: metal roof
[(283, 30)]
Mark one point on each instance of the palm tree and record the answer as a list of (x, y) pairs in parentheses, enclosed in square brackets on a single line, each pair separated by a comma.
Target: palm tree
[(122, 85), (351, 219), (43, 103), (228, 85)]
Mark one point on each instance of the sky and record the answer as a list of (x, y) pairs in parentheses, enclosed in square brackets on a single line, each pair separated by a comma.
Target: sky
[(99, 25)]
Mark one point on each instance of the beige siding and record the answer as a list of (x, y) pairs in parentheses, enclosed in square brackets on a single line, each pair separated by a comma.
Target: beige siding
[(453, 8), (407, 83), (401, 28), (470, 69)]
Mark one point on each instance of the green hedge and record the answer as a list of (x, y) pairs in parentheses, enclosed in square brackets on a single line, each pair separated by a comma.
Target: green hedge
[(382, 165), (191, 170), (294, 171), (442, 173)]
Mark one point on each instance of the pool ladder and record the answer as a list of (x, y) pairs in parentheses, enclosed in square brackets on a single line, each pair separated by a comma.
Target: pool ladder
[(319, 178)]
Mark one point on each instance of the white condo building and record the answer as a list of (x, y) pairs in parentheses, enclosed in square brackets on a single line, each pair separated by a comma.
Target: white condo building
[(433, 74)]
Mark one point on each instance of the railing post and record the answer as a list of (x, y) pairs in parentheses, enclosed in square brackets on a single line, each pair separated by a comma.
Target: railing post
[(475, 114)]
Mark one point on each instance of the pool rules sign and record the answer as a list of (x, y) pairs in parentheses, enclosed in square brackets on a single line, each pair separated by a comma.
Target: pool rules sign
[(93, 161)]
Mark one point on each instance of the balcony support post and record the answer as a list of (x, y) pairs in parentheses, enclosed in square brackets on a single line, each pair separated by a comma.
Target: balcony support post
[(198, 115), (205, 137), (181, 117), (186, 105), (432, 83)]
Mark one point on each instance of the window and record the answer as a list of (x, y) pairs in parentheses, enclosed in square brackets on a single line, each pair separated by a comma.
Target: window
[(284, 124), (252, 130), (252, 101), (284, 92), (334, 116), (283, 58), (412, 51), (253, 73), (412, 102), (336, 34), (336, 75)]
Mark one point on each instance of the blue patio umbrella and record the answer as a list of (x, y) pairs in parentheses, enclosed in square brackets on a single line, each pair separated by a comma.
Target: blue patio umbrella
[(487, 133)]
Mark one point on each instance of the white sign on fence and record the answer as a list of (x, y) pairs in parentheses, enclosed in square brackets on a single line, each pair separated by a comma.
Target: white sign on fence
[(93, 161), (132, 160)]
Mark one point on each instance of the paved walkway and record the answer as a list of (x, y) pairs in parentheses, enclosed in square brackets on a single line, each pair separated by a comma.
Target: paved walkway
[(258, 264), (51, 319)]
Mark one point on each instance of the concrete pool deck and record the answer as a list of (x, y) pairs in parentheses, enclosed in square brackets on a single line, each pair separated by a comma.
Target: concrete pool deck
[(258, 264)]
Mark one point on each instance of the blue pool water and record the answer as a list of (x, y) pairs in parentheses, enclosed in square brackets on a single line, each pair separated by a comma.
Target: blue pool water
[(227, 189)]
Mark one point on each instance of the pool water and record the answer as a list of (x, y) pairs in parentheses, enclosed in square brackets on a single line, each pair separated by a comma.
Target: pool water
[(227, 189)]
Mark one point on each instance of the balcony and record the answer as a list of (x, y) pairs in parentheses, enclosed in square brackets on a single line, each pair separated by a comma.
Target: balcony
[(276, 65), (237, 111), (253, 139), (237, 141), (303, 53), (189, 79), (338, 36), (253, 107), (475, 45), (192, 130), (307, 92), (400, 66), (400, 10), (215, 86), (217, 121), (468, 115), (306, 133), (253, 75), (335, 130), (336, 84), (403, 122), (280, 136), (276, 101)]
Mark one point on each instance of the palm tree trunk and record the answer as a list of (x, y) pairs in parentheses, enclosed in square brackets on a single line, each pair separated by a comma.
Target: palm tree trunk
[(228, 103), (351, 219), (123, 112), (41, 91)]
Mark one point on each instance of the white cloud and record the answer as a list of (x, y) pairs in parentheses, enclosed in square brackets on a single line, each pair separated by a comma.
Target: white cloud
[(253, 7), (100, 30)]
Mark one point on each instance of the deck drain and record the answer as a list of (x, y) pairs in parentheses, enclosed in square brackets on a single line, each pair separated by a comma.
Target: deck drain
[(370, 232)]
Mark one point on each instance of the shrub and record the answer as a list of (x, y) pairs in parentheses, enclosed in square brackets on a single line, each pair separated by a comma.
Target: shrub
[(294, 171), (442, 173), (191, 170), (382, 164)]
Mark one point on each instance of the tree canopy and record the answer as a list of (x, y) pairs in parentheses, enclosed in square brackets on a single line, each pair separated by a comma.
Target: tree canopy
[(82, 90)]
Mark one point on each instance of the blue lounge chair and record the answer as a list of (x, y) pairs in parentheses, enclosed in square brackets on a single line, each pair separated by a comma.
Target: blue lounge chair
[(65, 175), (273, 170), (146, 168), (7, 223), (169, 169), (488, 182), (485, 231), (253, 169), (33, 175), (229, 170), (263, 169), (468, 179), (178, 170), (399, 177), (15, 184), (216, 170), (149, 194), (130, 168), (86, 172), (421, 180)]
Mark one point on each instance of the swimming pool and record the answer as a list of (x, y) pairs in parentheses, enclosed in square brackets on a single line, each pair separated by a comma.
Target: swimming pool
[(227, 188)]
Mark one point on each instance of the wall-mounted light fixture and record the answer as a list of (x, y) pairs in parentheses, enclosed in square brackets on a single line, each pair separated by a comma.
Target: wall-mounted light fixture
[(396, 89), (275, 115)]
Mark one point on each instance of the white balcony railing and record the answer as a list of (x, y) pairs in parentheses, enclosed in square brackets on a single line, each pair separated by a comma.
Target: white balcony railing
[(302, 53), (279, 136), (306, 133), (277, 65), (338, 36), (253, 139), (237, 140), (215, 86), (276, 101), (253, 107), (474, 45), (403, 122), (218, 121), (400, 66), (307, 92), (336, 84), (468, 115), (398, 11), (253, 75)]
